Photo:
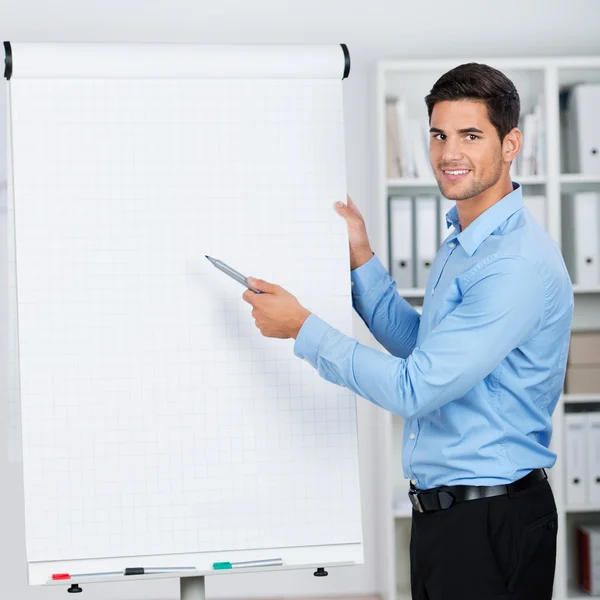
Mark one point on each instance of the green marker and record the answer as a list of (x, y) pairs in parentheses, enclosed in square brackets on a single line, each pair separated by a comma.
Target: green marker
[(248, 564)]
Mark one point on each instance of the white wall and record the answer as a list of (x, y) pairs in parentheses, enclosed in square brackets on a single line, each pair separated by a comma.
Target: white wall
[(373, 30)]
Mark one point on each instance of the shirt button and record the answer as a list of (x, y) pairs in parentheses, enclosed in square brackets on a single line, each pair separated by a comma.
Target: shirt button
[(452, 245), (412, 436), (432, 290), (352, 283)]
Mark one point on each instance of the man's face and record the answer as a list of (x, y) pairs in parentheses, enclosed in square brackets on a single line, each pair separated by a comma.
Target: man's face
[(464, 149)]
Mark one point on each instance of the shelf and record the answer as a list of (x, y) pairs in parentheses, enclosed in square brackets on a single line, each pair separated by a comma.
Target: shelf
[(575, 593), (411, 292), (530, 179), (581, 398), (575, 182), (586, 289), (582, 508), (420, 292), (579, 178), (411, 182)]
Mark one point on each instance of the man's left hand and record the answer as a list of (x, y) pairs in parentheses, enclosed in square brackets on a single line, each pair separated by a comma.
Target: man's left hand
[(276, 312)]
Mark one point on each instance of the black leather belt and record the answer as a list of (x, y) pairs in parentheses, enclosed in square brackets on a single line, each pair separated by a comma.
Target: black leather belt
[(444, 497)]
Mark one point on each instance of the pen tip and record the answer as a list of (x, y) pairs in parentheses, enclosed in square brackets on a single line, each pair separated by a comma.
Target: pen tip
[(207, 256)]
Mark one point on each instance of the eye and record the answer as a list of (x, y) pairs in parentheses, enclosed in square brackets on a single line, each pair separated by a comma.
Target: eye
[(440, 136), (472, 137)]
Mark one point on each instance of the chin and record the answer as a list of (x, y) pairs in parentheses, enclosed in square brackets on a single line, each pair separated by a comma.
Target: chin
[(454, 192), (450, 195), (458, 192)]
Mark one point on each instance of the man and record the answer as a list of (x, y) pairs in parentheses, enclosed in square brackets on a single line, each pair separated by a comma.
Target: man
[(478, 375)]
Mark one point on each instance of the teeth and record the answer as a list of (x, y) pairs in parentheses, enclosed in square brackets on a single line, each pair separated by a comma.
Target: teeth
[(457, 172)]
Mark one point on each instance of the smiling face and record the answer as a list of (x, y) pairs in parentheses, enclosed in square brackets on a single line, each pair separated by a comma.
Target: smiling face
[(466, 154)]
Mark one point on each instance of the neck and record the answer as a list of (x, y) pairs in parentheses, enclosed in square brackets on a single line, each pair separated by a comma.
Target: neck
[(468, 210)]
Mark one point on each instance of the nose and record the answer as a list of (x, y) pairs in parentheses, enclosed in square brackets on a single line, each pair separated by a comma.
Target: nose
[(452, 151)]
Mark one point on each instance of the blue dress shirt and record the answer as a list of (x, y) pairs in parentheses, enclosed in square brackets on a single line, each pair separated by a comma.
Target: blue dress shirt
[(477, 376)]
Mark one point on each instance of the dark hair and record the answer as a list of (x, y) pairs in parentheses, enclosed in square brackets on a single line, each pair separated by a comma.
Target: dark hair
[(474, 81)]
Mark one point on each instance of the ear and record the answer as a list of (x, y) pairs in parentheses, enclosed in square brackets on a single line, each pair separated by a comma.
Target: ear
[(511, 146)]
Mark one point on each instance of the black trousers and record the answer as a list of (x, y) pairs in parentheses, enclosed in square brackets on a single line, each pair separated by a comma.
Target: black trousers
[(486, 549)]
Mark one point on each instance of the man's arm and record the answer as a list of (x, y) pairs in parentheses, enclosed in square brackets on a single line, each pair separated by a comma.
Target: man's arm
[(503, 306), (390, 318)]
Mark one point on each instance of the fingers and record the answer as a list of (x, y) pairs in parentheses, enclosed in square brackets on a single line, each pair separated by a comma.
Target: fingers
[(348, 210), (261, 285), (343, 210), (249, 296), (353, 218)]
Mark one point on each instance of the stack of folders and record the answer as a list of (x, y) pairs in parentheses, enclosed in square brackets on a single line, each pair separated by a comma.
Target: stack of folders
[(417, 229), (581, 237), (407, 142), (582, 457), (588, 558), (583, 366), (532, 158), (582, 129)]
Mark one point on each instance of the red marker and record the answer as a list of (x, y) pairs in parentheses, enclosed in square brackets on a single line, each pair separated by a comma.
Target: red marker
[(65, 576)]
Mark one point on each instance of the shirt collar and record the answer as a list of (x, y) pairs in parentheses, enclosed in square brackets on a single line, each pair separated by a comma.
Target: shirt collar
[(480, 229)]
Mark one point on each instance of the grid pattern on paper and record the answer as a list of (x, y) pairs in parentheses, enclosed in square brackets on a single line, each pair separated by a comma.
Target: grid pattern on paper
[(156, 418)]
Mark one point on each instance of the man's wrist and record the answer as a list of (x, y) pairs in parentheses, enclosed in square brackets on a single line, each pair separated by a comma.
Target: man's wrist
[(302, 316), (360, 257)]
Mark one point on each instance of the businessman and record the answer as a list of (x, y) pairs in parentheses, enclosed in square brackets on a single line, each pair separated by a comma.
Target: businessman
[(477, 376)]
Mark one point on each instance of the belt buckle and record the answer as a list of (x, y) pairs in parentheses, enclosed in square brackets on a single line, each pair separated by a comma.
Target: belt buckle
[(413, 496)]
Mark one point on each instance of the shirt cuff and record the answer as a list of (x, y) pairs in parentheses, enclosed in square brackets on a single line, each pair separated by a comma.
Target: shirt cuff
[(367, 275), (309, 339)]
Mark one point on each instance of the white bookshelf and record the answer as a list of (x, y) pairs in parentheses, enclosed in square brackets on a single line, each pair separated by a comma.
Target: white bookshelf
[(536, 79), (580, 398), (583, 289)]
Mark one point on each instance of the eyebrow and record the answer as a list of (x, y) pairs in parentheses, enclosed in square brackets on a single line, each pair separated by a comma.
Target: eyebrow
[(466, 130)]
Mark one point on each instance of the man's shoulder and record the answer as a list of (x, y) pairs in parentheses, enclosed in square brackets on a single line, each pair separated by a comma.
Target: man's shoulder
[(524, 247), (521, 264), (501, 262)]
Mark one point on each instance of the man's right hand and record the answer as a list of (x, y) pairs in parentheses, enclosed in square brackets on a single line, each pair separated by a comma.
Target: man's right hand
[(360, 248)]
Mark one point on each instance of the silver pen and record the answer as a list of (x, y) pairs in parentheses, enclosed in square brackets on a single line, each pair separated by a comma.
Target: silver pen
[(243, 564), (232, 273)]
